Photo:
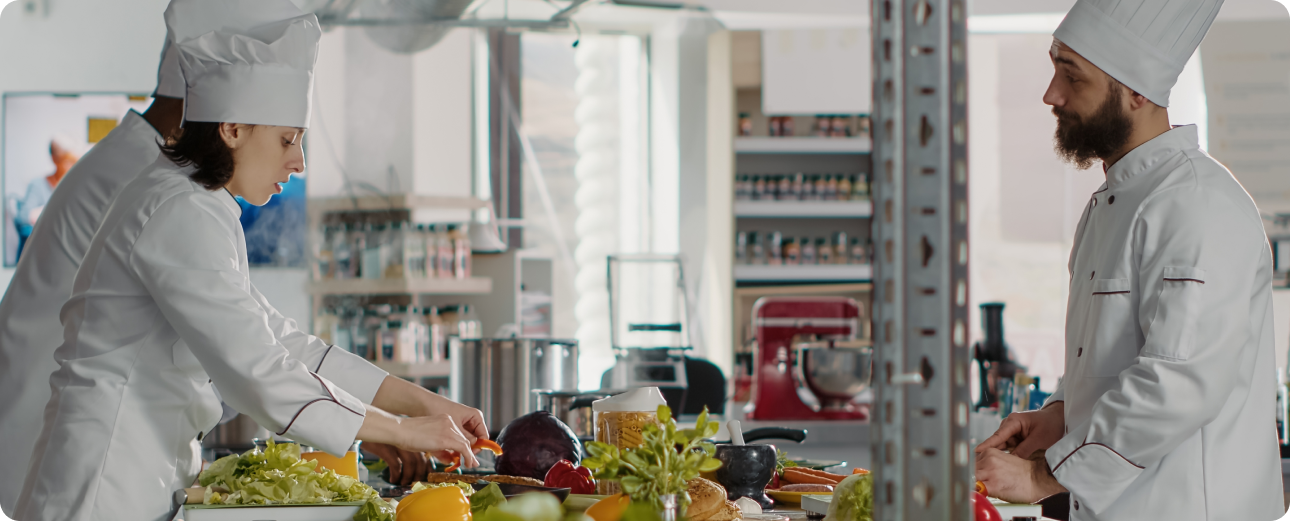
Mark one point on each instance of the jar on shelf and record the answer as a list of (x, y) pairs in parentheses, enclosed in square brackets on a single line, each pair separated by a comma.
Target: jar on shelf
[(446, 257), (324, 260), (784, 190), (370, 263), (759, 188), (774, 251), (343, 251), (841, 127), (823, 251), (394, 251), (741, 248), (808, 250), (745, 124), (792, 252), (468, 325), (844, 187), (823, 126), (831, 188), (460, 250), (757, 250), (861, 190), (437, 345), (841, 254)]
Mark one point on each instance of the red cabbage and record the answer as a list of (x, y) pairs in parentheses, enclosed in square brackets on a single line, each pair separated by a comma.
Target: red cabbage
[(535, 442)]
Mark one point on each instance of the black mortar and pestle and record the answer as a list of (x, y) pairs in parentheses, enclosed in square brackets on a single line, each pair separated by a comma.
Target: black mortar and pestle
[(746, 469)]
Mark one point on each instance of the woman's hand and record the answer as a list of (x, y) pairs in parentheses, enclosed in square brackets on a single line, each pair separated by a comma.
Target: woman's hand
[(1023, 433), (400, 396), (434, 434), (406, 467)]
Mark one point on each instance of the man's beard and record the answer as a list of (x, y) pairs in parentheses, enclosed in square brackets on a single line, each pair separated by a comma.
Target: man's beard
[(1079, 141)]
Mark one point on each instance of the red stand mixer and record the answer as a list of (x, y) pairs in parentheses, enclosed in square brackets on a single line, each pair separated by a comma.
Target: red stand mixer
[(811, 362)]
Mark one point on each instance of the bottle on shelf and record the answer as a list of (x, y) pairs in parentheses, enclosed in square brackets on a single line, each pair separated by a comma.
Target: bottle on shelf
[(388, 334), (860, 190), (461, 250), (342, 251), (823, 126), (784, 189), (324, 260), (831, 188), (857, 251), (370, 264), (741, 248), (414, 252), (792, 252), (468, 324), (774, 251), (437, 348), (786, 126), (394, 250), (446, 257), (757, 255), (862, 126), (844, 187), (821, 188), (776, 127), (823, 251), (868, 251), (841, 127), (808, 189), (741, 191), (359, 335), (807, 248), (759, 188), (745, 124), (795, 190), (841, 254)]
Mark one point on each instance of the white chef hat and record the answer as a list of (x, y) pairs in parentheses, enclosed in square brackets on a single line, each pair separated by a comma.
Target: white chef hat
[(1142, 43), (170, 79), (245, 61)]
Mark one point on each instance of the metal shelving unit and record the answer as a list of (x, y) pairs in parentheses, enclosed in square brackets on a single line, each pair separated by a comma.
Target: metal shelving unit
[(467, 286), (802, 145), (804, 209), (798, 274)]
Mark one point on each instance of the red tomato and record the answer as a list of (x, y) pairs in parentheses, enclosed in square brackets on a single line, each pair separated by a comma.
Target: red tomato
[(982, 510)]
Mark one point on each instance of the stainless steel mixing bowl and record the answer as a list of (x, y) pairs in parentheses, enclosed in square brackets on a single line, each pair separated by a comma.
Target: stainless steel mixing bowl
[(835, 375)]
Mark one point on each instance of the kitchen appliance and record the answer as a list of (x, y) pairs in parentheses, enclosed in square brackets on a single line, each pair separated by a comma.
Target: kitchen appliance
[(649, 329), (811, 361), (996, 370), (571, 407), (497, 375)]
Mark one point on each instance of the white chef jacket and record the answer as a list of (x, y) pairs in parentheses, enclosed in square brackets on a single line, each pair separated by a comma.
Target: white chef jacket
[(1170, 383), (162, 307)]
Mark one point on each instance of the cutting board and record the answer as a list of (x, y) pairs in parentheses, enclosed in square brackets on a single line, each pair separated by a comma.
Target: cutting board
[(820, 505), (332, 512)]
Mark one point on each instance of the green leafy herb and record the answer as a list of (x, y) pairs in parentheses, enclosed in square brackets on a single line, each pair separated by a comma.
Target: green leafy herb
[(852, 499), (277, 475), (782, 462), (666, 460), (486, 498)]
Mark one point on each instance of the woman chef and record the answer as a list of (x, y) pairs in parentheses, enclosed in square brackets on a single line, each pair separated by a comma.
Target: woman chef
[(162, 310)]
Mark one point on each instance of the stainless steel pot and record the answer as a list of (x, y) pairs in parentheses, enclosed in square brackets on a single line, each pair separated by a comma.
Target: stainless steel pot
[(571, 407), (497, 375)]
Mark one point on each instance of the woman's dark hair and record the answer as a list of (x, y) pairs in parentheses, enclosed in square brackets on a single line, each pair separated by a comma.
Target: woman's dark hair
[(199, 144)]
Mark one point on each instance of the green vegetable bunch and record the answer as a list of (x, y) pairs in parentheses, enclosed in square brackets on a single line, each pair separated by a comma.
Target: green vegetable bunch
[(852, 499), (782, 462), (534, 506), (277, 475), (666, 460)]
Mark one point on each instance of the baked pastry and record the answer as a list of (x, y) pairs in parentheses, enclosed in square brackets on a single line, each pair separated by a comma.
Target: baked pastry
[(728, 512), (707, 498)]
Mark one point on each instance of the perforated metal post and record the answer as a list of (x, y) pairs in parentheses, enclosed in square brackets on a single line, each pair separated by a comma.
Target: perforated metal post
[(922, 461)]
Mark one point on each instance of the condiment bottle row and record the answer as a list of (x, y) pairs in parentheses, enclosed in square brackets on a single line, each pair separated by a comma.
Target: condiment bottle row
[(402, 334), (773, 249), (802, 187), (350, 247)]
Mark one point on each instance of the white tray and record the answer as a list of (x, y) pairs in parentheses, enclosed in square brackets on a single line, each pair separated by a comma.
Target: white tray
[(272, 513)]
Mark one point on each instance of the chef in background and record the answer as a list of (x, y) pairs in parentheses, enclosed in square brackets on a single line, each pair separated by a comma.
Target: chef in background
[(64, 153), (1166, 409), (162, 304)]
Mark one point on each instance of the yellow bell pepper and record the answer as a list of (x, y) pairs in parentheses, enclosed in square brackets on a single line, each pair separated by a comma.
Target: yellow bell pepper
[(443, 503)]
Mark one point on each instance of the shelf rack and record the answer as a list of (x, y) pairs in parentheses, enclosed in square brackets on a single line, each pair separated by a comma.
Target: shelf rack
[(803, 145), (467, 286), (804, 209), (809, 273)]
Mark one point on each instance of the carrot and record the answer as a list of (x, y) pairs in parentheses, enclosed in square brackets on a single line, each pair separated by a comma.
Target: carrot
[(859, 470), (819, 473), (807, 476)]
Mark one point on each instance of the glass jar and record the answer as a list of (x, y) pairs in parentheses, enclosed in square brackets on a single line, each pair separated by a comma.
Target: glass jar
[(745, 124), (844, 187), (394, 251), (774, 250), (784, 188), (792, 253), (741, 248), (841, 255), (468, 325), (446, 257), (437, 346), (342, 251), (371, 264), (759, 188), (757, 254), (823, 251)]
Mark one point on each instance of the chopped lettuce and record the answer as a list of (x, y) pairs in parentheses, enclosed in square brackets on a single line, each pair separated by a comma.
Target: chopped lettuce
[(486, 498), (277, 476), (534, 506), (465, 487), (852, 499)]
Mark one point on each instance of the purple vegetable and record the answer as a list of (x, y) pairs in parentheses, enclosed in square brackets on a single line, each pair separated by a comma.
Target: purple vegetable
[(535, 442)]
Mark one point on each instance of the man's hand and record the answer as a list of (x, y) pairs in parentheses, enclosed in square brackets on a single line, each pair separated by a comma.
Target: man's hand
[(1023, 433), (405, 467), (1016, 480)]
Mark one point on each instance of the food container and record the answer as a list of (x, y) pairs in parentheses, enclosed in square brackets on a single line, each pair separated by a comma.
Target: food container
[(498, 375), (571, 407), (621, 421)]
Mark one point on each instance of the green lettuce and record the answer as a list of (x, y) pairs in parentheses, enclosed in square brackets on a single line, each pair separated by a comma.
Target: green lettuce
[(277, 476), (486, 498), (534, 506), (852, 499)]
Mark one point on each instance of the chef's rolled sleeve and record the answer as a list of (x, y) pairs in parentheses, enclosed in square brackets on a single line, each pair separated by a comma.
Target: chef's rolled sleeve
[(1195, 334), (352, 373), (187, 259)]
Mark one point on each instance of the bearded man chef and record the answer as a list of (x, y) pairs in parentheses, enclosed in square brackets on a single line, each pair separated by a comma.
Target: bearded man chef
[(108, 486), (1166, 410)]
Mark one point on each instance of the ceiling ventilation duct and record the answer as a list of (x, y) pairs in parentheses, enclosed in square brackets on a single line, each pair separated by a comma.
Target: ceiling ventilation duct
[(428, 22)]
